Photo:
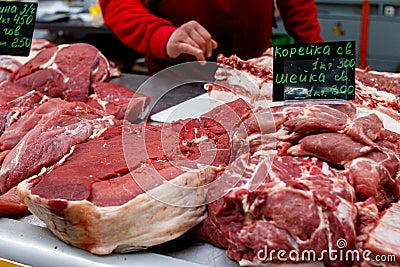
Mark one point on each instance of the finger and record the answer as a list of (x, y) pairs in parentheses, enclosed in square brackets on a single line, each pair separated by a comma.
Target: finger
[(214, 44), (190, 42), (196, 52), (198, 39), (207, 38)]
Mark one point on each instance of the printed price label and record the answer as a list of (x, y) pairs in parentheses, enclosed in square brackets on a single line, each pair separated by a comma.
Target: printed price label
[(17, 21), (320, 71)]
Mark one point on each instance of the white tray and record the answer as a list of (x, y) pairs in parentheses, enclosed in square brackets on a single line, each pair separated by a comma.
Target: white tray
[(35, 245)]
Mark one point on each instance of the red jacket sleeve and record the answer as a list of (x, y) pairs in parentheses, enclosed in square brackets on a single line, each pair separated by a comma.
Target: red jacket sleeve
[(136, 27), (300, 18)]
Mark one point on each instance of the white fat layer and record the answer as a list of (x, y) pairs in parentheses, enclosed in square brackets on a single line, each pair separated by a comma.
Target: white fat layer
[(386, 74), (102, 103), (326, 170), (376, 93), (200, 139), (106, 73), (44, 99), (246, 85), (51, 61), (97, 132), (13, 118), (365, 149), (344, 211), (64, 158), (16, 114)]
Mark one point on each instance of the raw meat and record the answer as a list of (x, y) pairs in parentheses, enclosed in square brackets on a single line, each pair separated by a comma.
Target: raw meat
[(49, 141), (135, 219), (10, 203), (384, 239), (10, 112), (114, 100), (297, 178), (134, 186), (355, 141), (8, 65), (368, 217), (236, 78), (385, 81), (14, 133), (64, 71), (10, 91), (333, 147), (374, 176), (19, 116), (140, 222), (301, 120), (283, 203)]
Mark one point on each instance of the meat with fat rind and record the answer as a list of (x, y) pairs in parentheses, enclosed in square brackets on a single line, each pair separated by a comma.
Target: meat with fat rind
[(236, 78), (109, 211), (134, 186)]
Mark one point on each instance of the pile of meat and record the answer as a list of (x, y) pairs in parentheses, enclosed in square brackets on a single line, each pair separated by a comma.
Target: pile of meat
[(132, 186), (60, 97), (319, 180), (282, 184)]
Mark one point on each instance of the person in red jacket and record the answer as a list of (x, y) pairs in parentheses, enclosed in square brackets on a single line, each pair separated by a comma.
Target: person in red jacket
[(173, 31)]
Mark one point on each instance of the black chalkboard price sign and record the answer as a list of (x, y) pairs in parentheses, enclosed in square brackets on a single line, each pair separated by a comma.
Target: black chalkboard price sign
[(318, 71), (17, 21)]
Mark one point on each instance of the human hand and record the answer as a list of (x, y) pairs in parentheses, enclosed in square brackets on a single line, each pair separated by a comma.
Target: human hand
[(193, 39)]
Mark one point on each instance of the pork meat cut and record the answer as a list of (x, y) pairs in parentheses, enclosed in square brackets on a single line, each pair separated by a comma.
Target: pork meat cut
[(237, 78), (284, 203), (383, 241)]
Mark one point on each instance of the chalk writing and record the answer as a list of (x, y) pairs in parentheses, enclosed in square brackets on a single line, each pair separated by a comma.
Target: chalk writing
[(17, 21), (314, 71)]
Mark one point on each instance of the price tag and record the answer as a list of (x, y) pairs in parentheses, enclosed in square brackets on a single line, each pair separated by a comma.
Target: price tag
[(17, 21), (320, 71)]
